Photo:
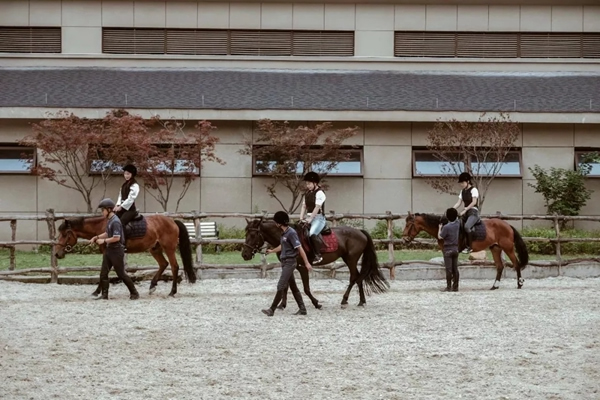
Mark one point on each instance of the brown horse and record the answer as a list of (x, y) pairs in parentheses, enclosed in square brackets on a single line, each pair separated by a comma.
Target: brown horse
[(162, 234), (500, 236), (352, 243)]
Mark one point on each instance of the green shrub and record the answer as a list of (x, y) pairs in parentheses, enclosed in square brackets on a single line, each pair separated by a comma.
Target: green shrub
[(79, 248), (227, 232), (566, 248)]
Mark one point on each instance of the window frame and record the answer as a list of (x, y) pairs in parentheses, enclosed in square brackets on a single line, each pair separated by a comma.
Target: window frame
[(358, 150), (416, 175), (22, 149), (586, 150)]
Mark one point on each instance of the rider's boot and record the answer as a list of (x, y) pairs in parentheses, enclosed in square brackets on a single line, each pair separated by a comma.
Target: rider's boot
[(316, 243)]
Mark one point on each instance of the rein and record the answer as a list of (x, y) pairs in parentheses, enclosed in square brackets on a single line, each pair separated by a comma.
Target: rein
[(256, 249)]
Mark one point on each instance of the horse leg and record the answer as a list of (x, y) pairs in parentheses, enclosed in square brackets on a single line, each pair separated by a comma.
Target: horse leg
[(174, 270), (516, 265), (497, 254), (306, 285), (162, 265), (352, 265)]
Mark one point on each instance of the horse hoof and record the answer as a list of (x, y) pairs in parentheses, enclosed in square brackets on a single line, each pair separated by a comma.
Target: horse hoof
[(519, 286), (152, 289), (494, 288), (344, 306), (361, 304), (318, 306), (171, 294)]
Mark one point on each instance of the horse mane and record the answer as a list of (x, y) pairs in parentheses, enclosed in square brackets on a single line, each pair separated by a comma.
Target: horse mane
[(76, 223), (430, 219)]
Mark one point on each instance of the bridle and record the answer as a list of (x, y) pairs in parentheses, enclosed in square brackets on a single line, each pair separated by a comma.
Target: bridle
[(412, 230), (258, 247), (68, 248)]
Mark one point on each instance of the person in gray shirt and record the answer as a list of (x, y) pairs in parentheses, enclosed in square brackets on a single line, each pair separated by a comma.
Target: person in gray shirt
[(290, 247), (449, 234), (114, 253)]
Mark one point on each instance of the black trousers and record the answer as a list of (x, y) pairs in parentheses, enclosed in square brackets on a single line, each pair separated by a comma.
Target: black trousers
[(113, 258), (126, 215), (287, 275), (451, 263)]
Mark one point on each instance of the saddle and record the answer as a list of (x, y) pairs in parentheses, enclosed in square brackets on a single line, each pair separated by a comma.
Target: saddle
[(136, 228), (329, 242), (478, 232)]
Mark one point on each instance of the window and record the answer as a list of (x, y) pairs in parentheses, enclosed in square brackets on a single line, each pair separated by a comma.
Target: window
[(425, 164), (16, 159), (30, 39), (582, 155), (258, 42), (181, 161), (351, 166)]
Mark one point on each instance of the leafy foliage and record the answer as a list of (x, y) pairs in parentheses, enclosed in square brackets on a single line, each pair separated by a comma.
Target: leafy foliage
[(286, 153), (565, 248), (564, 190), (479, 148)]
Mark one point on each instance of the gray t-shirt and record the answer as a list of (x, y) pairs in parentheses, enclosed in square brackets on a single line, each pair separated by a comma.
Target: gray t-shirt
[(289, 243), (450, 235), (115, 228)]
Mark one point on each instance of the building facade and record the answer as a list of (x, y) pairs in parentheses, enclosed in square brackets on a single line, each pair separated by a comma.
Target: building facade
[(392, 69)]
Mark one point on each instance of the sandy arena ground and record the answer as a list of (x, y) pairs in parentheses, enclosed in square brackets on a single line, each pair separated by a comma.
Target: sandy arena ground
[(212, 342)]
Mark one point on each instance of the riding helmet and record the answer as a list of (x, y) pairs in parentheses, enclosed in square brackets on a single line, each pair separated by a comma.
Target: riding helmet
[(131, 169), (281, 217), (464, 177), (312, 177), (106, 203)]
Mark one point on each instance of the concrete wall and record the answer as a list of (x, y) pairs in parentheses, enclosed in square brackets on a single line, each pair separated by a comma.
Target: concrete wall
[(387, 183), (82, 21)]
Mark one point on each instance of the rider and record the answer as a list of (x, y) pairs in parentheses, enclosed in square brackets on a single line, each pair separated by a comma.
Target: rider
[(469, 198), (289, 247), (113, 255), (314, 202), (125, 208)]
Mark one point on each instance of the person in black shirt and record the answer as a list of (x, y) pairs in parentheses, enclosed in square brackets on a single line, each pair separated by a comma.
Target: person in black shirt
[(449, 234), (113, 255), (290, 247)]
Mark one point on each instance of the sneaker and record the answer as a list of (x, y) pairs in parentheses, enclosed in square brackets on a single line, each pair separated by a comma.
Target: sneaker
[(467, 250), (317, 259)]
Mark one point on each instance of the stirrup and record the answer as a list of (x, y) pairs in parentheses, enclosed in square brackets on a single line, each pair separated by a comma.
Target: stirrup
[(467, 250), (317, 259)]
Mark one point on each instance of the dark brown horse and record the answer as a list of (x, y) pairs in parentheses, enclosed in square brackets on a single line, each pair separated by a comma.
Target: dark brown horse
[(162, 234), (352, 243), (500, 236)]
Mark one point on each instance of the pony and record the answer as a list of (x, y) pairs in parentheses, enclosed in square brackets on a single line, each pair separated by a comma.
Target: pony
[(352, 243), (499, 236), (162, 234)]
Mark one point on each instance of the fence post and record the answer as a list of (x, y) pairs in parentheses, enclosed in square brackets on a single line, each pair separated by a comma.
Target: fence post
[(13, 238), (52, 235), (390, 236), (334, 221), (558, 252)]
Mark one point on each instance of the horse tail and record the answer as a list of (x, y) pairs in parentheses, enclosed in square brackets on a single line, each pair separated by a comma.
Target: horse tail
[(369, 271), (185, 250), (521, 249)]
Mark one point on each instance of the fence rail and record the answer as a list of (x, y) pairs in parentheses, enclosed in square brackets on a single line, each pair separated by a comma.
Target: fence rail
[(54, 270)]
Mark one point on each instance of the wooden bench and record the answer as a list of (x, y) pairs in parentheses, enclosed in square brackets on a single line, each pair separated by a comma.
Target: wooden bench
[(208, 231)]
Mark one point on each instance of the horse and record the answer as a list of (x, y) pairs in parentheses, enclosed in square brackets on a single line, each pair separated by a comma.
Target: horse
[(352, 243), (161, 234), (499, 236)]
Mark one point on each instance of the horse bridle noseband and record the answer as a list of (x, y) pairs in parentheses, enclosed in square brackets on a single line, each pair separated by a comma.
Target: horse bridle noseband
[(68, 248), (257, 248), (410, 230)]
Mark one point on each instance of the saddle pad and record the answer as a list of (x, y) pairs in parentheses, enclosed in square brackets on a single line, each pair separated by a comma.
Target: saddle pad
[(136, 229), (330, 242), (479, 232)]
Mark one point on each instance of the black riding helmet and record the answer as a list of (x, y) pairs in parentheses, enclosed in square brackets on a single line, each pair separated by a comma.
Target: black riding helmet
[(106, 203), (464, 177), (281, 217), (131, 169), (312, 177)]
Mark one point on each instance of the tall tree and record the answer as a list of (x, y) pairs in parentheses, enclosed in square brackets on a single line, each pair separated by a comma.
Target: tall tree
[(287, 152), (177, 154), (480, 148), (63, 141)]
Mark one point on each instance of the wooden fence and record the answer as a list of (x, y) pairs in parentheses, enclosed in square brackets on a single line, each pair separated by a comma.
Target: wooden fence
[(54, 270)]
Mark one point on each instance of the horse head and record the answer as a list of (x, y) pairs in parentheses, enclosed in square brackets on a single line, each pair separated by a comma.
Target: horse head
[(412, 227), (254, 239), (66, 239)]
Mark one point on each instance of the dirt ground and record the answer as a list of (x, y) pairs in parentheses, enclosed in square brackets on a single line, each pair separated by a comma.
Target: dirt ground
[(212, 342)]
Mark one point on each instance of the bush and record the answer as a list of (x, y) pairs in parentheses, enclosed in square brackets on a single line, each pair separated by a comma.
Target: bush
[(227, 232), (566, 248)]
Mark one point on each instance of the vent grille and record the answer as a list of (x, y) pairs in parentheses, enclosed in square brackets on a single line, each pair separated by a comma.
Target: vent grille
[(30, 40)]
